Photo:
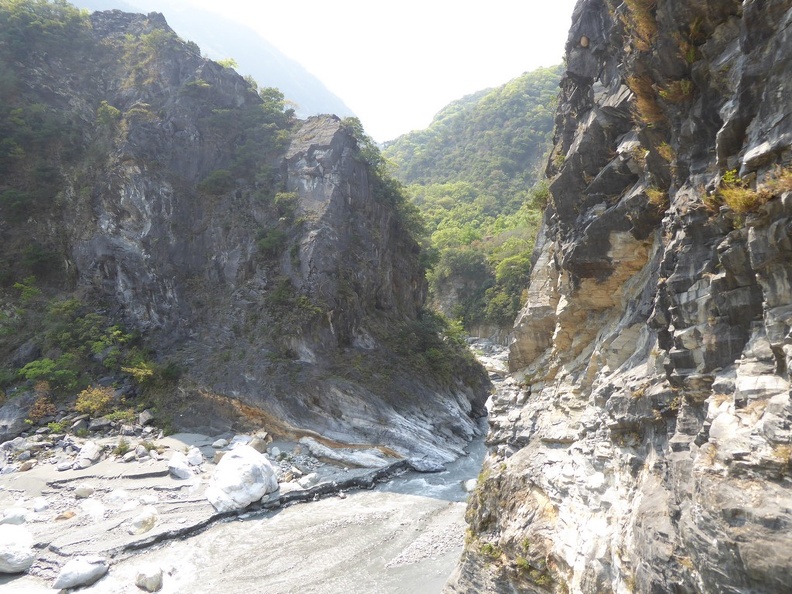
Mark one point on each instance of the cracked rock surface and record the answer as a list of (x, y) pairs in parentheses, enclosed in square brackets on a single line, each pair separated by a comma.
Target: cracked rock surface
[(645, 443)]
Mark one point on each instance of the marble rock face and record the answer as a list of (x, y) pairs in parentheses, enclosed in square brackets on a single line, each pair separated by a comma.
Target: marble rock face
[(646, 443)]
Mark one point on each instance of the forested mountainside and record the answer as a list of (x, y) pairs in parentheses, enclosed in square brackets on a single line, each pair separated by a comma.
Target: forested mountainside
[(646, 444), (172, 236), (474, 174), (222, 39)]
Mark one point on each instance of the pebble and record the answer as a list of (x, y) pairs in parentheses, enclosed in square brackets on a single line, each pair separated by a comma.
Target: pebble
[(83, 490), (67, 515), (149, 579), (220, 443), (144, 521)]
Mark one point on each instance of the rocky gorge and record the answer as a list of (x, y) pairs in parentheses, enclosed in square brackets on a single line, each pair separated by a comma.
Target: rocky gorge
[(225, 270), (645, 446), (183, 258), (127, 509)]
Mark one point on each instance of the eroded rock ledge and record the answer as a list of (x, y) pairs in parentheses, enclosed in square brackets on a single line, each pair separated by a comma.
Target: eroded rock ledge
[(646, 444)]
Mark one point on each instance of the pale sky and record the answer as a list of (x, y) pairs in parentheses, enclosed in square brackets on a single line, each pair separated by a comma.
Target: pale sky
[(396, 64)]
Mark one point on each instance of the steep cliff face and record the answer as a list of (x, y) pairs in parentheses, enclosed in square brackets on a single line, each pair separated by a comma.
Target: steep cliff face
[(263, 256), (645, 446)]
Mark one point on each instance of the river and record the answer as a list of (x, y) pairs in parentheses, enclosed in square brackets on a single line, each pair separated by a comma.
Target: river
[(402, 536)]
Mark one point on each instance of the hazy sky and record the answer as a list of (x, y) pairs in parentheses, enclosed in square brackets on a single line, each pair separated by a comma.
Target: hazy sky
[(397, 63)]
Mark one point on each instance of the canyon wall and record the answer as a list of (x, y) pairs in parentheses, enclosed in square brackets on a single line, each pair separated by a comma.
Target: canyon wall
[(645, 443), (265, 258)]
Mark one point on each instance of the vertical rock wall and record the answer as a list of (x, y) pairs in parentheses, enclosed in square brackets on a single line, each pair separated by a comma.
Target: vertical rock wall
[(645, 446), (263, 260)]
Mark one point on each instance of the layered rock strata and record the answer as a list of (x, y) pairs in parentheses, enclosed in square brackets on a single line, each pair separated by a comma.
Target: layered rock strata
[(263, 256), (645, 446)]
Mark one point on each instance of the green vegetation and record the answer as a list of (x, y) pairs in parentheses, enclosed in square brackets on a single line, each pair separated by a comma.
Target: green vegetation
[(34, 136), (122, 447), (678, 91), (474, 176), (432, 344), (490, 550), (384, 187), (56, 427), (647, 109), (94, 400), (259, 131), (228, 63), (739, 195)]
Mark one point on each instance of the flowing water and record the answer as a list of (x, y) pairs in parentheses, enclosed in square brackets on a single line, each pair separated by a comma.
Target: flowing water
[(404, 536)]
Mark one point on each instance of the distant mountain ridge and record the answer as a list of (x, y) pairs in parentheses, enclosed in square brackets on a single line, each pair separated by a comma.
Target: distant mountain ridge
[(474, 175), (220, 38), (494, 138)]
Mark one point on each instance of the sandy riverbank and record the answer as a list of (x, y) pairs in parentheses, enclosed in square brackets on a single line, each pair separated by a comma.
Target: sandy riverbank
[(356, 542)]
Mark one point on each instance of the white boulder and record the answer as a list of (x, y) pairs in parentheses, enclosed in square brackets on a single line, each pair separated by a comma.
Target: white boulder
[(16, 549), (179, 467), (14, 515), (93, 509), (194, 456), (220, 443), (40, 504), (309, 480), (89, 451), (144, 521), (242, 477), (81, 571), (83, 490), (149, 579)]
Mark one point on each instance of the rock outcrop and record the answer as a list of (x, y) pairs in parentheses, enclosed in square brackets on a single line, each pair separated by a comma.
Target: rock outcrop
[(645, 446), (264, 260)]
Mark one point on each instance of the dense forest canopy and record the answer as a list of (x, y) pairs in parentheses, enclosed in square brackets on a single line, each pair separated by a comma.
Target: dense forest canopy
[(475, 175)]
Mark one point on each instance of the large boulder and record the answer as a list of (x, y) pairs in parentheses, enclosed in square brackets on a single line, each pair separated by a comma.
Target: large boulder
[(89, 453), (13, 414), (81, 571), (242, 477), (16, 549), (179, 467)]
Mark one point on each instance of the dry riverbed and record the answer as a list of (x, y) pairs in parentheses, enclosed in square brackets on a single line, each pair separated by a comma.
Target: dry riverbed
[(343, 520), (349, 537)]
